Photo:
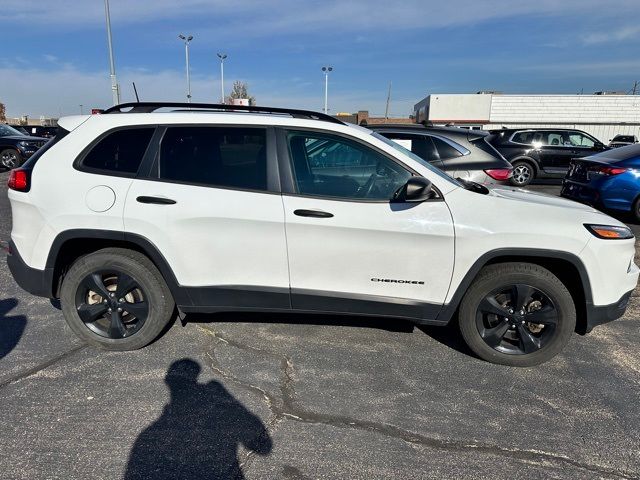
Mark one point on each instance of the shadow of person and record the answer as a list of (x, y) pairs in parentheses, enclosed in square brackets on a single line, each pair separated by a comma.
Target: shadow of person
[(11, 327), (199, 432)]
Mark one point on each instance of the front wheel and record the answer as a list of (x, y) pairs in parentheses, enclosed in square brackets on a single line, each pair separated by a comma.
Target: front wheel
[(517, 314), (523, 173), (116, 299), (10, 158)]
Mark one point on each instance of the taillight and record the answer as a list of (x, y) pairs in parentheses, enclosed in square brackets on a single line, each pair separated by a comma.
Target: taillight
[(499, 173), (19, 180), (608, 170)]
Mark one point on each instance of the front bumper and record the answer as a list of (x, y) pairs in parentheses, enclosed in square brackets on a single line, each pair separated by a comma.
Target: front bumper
[(32, 280), (600, 314)]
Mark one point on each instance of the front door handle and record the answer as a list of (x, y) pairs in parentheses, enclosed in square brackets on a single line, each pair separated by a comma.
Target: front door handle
[(312, 213), (156, 200)]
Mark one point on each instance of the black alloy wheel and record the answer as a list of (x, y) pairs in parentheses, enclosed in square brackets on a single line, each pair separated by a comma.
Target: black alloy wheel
[(111, 304), (517, 320)]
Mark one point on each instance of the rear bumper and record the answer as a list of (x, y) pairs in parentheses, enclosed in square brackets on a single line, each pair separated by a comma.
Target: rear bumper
[(32, 280), (600, 314)]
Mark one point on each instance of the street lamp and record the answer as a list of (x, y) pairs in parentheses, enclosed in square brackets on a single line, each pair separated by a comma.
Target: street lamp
[(222, 56), (81, 111), (326, 71), (187, 40), (115, 89)]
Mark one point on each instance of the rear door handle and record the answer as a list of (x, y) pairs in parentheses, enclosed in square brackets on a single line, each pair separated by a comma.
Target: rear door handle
[(312, 213), (156, 200)]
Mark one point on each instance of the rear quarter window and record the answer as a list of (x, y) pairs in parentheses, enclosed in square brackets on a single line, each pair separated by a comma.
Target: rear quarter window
[(119, 152)]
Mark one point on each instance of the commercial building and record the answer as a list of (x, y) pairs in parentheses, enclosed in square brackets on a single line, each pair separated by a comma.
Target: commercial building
[(602, 115)]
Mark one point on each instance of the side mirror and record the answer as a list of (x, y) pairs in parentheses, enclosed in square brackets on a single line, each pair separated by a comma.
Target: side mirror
[(598, 146), (417, 189)]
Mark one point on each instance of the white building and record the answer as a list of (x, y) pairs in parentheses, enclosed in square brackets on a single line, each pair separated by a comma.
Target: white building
[(601, 115)]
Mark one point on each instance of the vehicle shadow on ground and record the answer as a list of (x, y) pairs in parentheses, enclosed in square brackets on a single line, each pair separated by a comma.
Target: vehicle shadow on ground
[(198, 433), (11, 327), (448, 336)]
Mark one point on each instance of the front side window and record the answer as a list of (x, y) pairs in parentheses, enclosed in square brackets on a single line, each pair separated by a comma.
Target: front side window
[(332, 166), (215, 156), (120, 151), (577, 139)]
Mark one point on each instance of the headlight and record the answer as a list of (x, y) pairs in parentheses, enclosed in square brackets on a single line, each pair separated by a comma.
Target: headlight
[(27, 144), (609, 232)]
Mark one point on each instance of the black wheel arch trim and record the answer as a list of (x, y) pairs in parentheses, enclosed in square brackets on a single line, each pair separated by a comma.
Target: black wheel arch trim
[(180, 295), (449, 310), (536, 164)]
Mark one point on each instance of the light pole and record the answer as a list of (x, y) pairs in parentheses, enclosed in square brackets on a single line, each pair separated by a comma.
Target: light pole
[(187, 40), (115, 89), (326, 71), (81, 111), (222, 56)]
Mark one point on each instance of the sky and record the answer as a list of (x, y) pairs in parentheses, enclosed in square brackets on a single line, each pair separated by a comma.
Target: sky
[(54, 56)]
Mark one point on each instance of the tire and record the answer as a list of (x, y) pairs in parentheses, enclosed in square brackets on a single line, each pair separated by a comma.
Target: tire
[(89, 298), (635, 210), (526, 341), (523, 173), (10, 158)]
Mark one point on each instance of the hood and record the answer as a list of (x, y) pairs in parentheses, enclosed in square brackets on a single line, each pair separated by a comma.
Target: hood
[(25, 138), (530, 197)]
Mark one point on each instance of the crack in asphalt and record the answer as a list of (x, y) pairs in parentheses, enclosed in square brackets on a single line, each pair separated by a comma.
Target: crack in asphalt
[(38, 368), (290, 408)]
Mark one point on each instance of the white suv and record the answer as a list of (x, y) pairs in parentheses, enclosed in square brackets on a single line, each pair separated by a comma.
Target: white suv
[(126, 215)]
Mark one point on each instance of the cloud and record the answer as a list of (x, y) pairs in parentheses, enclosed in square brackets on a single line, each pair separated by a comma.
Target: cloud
[(615, 35), (61, 91)]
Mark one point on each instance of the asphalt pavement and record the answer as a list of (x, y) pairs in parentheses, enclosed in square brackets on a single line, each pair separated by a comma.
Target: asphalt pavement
[(298, 397)]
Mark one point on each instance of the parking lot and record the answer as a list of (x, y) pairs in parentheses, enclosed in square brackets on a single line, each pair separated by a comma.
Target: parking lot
[(295, 397)]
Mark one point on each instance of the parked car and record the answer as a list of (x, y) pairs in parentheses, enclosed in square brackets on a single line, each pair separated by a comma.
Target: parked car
[(40, 131), (16, 147), (20, 128), (622, 140), (460, 152), (542, 153), (606, 180), (149, 206)]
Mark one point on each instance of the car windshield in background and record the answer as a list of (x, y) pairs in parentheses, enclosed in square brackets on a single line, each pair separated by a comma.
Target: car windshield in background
[(6, 130), (415, 157)]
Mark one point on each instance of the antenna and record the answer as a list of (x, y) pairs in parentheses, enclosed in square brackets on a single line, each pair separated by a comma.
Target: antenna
[(135, 90)]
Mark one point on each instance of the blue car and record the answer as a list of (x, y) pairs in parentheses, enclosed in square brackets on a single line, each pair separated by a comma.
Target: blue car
[(609, 180)]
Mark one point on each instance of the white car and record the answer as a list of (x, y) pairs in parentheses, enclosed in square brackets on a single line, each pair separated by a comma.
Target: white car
[(126, 215)]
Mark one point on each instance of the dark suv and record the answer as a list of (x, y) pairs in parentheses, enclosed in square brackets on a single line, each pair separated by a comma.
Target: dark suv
[(542, 152), (460, 152), (16, 147)]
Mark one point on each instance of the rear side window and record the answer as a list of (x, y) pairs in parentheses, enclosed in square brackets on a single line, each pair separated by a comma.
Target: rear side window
[(215, 156), (120, 151), (446, 150)]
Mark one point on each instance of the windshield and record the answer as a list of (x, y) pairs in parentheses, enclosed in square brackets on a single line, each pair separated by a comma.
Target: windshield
[(6, 130), (415, 157)]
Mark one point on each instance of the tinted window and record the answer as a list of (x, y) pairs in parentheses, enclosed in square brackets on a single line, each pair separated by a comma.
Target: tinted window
[(421, 145), (120, 151), (218, 156), (624, 138), (540, 138), (445, 150), (330, 166)]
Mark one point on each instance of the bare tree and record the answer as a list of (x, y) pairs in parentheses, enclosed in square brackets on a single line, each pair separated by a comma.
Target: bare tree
[(3, 113), (240, 90)]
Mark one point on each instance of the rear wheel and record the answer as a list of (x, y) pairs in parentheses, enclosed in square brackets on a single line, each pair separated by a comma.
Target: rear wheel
[(635, 210), (10, 158), (517, 314), (116, 299), (523, 173)]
